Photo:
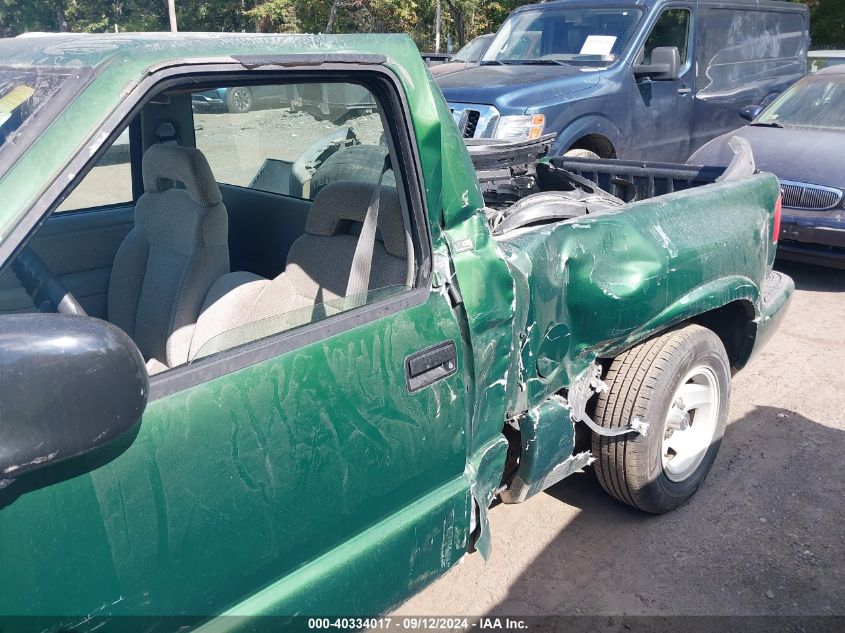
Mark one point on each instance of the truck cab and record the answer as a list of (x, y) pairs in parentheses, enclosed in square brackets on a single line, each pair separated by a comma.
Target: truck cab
[(650, 81)]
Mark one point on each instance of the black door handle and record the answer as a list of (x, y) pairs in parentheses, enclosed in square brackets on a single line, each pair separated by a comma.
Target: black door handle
[(431, 364)]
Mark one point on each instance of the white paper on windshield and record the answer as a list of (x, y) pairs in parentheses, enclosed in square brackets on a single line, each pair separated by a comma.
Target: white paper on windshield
[(598, 45)]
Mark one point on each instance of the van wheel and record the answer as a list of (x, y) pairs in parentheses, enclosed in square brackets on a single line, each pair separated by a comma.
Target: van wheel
[(679, 383), (581, 153)]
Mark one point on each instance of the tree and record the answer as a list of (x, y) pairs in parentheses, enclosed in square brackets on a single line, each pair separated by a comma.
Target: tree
[(460, 19), (827, 23)]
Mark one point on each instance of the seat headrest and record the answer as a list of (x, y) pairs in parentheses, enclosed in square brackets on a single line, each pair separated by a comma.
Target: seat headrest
[(340, 203), (164, 164)]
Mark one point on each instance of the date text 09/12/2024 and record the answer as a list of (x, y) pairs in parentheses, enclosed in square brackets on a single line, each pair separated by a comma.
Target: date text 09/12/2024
[(419, 623)]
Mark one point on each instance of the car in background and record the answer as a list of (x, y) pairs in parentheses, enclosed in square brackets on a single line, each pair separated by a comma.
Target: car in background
[(467, 57), (323, 103), (435, 59), (241, 99), (799, 138), (816, 60)]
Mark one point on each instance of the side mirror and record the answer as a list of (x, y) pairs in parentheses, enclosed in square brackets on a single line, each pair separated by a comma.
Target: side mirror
[(68, 385), (665, 64), (750, 112)]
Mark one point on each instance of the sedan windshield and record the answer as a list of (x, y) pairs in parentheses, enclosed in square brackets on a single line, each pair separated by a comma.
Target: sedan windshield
[(592, 37), (472, 51), (816, 101)]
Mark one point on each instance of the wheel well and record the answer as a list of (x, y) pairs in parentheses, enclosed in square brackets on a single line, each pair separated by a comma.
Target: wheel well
[(597, 143), (733, 323)]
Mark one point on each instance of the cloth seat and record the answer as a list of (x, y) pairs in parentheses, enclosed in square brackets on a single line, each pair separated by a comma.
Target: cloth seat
[(172, 256), (316, 275)]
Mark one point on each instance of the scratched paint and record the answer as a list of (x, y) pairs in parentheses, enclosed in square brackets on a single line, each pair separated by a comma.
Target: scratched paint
[(684, 254), (234, 484), (313, 482)]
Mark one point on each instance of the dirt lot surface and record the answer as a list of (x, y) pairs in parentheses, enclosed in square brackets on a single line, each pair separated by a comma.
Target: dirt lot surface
[(763, 536), (235, 145)]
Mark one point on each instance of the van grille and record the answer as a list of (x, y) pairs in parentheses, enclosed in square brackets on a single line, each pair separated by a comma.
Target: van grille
[(475, 121), (471, 123), (799, 195)]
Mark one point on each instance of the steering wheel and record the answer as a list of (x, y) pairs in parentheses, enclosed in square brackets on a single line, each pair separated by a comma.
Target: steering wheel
[(43, 286)]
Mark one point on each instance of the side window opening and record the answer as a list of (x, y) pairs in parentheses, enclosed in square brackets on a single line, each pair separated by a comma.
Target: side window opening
[(320, 143), (174, 256), (671, 29), (109, 183)]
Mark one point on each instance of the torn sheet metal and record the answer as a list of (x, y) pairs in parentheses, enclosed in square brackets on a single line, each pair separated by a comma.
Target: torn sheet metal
[(520, 490), (592, 286), (484, 472), (547, 437)]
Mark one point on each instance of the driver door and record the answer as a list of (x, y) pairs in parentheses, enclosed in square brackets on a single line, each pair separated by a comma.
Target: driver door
[(661, 110), (317, 470)]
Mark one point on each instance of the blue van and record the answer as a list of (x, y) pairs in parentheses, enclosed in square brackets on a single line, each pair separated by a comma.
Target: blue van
[(643, 79)]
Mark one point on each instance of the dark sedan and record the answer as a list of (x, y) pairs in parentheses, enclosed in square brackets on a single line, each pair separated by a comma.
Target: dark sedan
[(799, 138), (465, 58)]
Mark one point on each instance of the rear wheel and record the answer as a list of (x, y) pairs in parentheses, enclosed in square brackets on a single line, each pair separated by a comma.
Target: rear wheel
[(679, 383)]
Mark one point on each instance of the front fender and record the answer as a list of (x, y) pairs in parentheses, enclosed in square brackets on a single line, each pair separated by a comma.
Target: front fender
[(582, 126)]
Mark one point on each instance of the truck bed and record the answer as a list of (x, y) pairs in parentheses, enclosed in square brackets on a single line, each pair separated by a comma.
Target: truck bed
[(510, 171), (630, 180)]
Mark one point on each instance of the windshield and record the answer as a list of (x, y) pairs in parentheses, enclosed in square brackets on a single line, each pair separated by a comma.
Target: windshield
[(25, 93), (817, 63), (472, 51), (817, 101), (593, 37)]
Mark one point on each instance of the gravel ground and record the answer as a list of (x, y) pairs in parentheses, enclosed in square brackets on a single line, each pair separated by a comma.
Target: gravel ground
[(237, 144), (763, 536)]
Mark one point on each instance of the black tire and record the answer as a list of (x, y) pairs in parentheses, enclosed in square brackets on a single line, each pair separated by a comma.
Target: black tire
[(642, 383), (239, 100), (359, 163)]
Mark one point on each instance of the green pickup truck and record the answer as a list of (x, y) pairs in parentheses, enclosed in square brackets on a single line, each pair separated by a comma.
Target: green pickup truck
[(218, 398)]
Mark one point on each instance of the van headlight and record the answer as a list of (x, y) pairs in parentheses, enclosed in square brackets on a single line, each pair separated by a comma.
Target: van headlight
[(520, 127)]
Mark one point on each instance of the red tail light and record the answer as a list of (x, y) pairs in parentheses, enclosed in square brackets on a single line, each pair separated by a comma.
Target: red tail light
[(776, 221)]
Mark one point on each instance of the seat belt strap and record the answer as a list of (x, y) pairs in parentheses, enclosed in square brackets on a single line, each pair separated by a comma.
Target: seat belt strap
[(362, 261)]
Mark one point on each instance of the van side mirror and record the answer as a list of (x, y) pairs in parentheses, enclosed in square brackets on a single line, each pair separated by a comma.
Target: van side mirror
[(665, 64), (750, 112), (68, 385)]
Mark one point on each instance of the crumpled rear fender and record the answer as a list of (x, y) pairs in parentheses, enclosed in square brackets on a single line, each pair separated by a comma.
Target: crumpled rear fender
[(593, 286)]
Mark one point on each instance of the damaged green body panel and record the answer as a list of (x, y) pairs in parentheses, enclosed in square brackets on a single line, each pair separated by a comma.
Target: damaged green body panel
[(547, 436), (591, 287), (314, 482), (594, 286)]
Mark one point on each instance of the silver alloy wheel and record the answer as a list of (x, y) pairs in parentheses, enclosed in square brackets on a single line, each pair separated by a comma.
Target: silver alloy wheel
[(242, 99), (691, 423)]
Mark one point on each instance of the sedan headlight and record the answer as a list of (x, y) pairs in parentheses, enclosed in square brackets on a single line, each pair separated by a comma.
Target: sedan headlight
[(520, 127)]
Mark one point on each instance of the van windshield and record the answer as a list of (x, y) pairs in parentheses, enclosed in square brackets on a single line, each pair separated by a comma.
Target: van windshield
[(589, 37)]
